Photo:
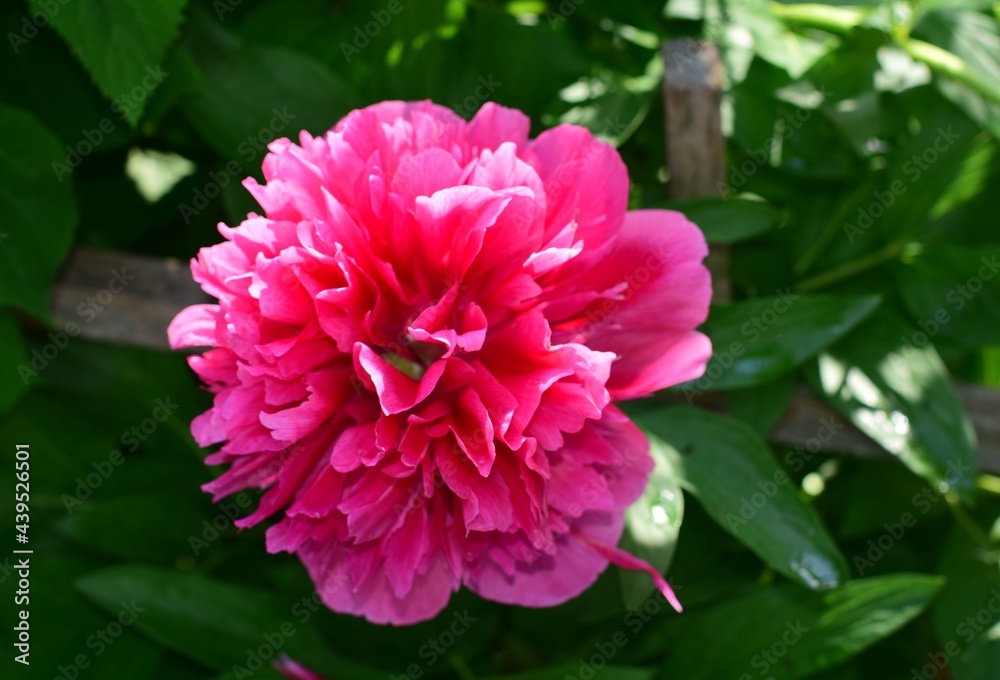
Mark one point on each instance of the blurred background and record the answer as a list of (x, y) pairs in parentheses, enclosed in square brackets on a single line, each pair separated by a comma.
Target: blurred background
[(822, 504)]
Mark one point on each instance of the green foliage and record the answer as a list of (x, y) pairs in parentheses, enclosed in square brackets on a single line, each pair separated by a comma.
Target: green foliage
[(750, 496), (39, 212), (860, 209), (121, 43)]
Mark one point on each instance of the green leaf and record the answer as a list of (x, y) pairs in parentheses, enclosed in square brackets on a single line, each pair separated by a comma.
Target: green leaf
[(786, 634), (652, 524), (612, 105), (733, 474), (966, 203), (142, 530), (265, 673), (208, 621), (966, 615), (774, 42), (761, 407), (253, 94), (65, 628), (921, 172), (121, 43), (12, 356), (846, 79), (730, 220), (580, 670), (39, 212), (891, 383), (953, 292), (75, 107), (974, 38), (757, 340)]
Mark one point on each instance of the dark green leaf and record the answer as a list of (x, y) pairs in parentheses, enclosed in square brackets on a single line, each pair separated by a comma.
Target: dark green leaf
[(122, 44), (253, 94), (150, 528), (69, 637), (214, 623), (582, 669), (730, 220), (966, 615), (38, 209), (975, 38), (761, 407), (757, 340), (13, 357), (733, 474), (72, 109), (953, 292), (787, 634)]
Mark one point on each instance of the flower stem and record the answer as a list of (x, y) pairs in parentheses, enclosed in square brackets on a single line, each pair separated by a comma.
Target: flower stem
[(833, 19), (951, 65), (849, 269), (830, 230), (967, 522)]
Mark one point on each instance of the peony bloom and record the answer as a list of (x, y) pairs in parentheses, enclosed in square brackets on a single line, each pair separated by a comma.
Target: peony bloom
[(417, 350)]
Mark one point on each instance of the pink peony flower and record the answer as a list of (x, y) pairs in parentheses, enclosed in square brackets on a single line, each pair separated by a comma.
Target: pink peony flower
[(417, 349)]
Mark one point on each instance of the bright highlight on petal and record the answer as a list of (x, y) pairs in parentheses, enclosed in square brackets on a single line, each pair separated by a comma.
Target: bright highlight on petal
[(417, 347)]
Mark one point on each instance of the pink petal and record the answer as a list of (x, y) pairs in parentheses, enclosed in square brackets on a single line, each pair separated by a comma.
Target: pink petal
[(194, 326)]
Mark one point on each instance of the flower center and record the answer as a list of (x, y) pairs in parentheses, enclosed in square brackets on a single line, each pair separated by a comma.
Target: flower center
[(405, 366)]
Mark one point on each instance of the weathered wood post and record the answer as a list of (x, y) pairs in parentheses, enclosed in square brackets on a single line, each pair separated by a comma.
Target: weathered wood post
[(696, 148)]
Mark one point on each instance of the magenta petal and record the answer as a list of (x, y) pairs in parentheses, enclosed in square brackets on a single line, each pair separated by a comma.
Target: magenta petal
[(629, 561), (541, 579), (652, 327), (397, 392), (194, 326)]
